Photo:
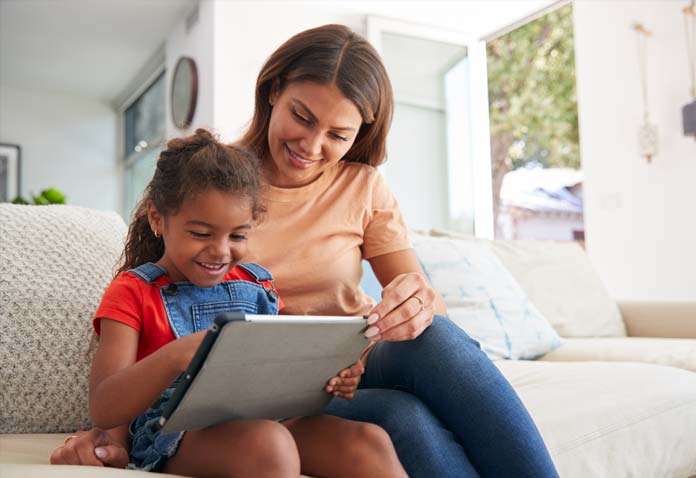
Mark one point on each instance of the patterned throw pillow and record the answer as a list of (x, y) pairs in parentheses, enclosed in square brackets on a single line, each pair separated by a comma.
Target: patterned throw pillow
[(484, 299), (55, 262)]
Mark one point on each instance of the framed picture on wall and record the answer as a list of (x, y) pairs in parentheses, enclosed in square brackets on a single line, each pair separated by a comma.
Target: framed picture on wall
[(10, 171)]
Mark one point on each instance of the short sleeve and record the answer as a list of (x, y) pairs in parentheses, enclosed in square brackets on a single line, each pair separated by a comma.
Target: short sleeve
[(122, 302), (386, 229)]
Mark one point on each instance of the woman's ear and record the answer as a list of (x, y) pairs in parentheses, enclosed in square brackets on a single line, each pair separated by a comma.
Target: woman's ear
[(155, 219), (275, 91)]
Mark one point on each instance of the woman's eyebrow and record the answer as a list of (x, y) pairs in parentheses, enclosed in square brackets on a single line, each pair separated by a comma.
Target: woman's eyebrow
[(314, 118)]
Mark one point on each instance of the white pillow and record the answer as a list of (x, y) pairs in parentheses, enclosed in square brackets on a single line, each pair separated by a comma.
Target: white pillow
[(484, 299), (561, 281)]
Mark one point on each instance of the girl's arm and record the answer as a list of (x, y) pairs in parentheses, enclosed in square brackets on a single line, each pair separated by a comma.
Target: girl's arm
[(400, 315), (120, 388)]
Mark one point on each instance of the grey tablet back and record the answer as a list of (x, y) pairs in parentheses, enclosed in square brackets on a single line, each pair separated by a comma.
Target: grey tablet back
[(266, 367)]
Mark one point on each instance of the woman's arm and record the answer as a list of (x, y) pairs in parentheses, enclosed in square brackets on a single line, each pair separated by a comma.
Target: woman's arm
[(401, 315), (121, 388), (94, 447)]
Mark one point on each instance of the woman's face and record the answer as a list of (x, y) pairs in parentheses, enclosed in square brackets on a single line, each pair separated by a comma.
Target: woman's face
[(312, 127)]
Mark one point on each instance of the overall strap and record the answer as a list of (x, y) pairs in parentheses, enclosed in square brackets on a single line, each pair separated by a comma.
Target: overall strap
[(259, 273), (148, 272)]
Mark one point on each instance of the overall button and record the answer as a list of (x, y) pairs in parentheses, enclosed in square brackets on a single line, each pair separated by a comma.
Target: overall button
[(272, 295), (170, 289)]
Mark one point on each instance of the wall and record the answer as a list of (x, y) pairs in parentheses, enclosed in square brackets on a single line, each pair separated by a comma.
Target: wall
[(67, 142), (196, 41), (640, 231)]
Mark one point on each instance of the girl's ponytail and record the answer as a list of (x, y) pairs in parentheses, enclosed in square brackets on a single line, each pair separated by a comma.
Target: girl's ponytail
[(141, 244)]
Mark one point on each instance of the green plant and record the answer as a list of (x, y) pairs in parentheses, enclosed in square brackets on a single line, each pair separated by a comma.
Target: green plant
[(45, 197)]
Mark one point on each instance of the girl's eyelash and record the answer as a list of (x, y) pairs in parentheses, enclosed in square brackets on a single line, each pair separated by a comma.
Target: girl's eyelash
[(199, 234), (239, 237), (342, 138)]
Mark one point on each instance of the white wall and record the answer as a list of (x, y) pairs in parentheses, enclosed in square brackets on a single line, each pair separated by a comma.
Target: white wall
[(197, 43), (639, 217), (67, 142)]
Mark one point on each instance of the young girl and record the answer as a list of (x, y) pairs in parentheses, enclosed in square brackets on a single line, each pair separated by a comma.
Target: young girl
[(182, 267)]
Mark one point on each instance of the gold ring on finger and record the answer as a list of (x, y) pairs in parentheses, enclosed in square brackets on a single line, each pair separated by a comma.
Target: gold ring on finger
[(65, 442), (422, 304)]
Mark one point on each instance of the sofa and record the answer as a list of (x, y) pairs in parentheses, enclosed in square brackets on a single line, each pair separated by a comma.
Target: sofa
[(615, 397)]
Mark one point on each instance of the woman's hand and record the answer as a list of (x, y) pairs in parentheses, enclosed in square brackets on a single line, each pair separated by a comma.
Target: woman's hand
[(95, 447), (407, 309), (346, 382)]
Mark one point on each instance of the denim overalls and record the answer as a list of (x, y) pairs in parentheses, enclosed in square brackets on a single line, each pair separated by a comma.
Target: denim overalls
[(192, 309)]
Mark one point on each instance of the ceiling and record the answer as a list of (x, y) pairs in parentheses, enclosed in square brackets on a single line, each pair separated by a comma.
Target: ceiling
[(87, 48), (94, 48)]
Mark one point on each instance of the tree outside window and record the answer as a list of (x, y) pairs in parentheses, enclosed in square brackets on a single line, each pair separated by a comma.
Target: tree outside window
[(537, 182)]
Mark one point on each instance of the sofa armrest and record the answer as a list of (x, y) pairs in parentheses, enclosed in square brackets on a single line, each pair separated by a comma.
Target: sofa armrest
[(659, 319)]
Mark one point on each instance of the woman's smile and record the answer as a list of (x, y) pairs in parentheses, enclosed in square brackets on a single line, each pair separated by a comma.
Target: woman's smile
[(297, 160)]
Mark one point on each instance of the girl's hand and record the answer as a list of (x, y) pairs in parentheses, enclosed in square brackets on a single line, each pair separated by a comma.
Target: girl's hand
[(182, 350), (346, 382), (94, 447), (407, 309)]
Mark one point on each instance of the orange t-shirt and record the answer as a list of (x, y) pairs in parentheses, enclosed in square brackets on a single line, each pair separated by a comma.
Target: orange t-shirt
[(132, 301), (313, 238)]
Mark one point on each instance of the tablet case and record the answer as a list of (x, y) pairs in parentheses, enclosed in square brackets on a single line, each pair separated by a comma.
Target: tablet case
[(256, 366)]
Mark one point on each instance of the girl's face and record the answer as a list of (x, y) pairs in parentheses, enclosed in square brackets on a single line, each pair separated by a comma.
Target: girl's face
[(205, 238), (312, 127)]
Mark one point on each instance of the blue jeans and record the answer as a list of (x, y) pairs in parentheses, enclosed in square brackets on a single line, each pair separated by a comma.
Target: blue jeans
[(448, 409)]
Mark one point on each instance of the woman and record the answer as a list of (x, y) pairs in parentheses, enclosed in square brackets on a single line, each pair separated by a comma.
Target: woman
[(322, 111)]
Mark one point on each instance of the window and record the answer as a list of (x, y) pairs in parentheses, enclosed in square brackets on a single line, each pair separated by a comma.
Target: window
[(535, 157), (144, 124)]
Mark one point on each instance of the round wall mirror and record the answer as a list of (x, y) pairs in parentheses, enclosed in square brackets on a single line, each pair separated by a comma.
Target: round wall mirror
[(184, 92)]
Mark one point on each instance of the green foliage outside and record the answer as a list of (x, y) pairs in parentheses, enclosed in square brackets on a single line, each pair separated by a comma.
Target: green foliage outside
[(531, 88), (45, 197)]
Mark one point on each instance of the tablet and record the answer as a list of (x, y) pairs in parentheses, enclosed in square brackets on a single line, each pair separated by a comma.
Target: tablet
[(263, 366)]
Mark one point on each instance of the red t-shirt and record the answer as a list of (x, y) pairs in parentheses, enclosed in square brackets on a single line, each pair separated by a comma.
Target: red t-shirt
[(132, 301)]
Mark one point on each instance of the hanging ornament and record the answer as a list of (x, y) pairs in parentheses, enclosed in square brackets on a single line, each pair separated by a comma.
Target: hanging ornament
[(647, 134), (689, 110)]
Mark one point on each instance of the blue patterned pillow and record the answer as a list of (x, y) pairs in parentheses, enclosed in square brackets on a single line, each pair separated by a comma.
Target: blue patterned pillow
[(484, 299)]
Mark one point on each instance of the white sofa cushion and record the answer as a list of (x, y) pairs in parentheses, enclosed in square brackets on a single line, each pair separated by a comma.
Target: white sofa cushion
[(672, 352), (483, 298), (560, 280), (55, 262), (611, 420)]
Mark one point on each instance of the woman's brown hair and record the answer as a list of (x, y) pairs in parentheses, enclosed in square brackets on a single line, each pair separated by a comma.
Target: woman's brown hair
[(331, 55), (188, 166)]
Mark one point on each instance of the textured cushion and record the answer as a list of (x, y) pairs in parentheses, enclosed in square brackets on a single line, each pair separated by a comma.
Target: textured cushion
[(608, 420), (672, 352), (483, 298), (55, 262), (560, 280)]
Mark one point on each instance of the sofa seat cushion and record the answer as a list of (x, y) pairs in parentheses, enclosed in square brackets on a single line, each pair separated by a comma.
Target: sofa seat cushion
[(660, 351), (27, 455), (608, 420), (62, 471)]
